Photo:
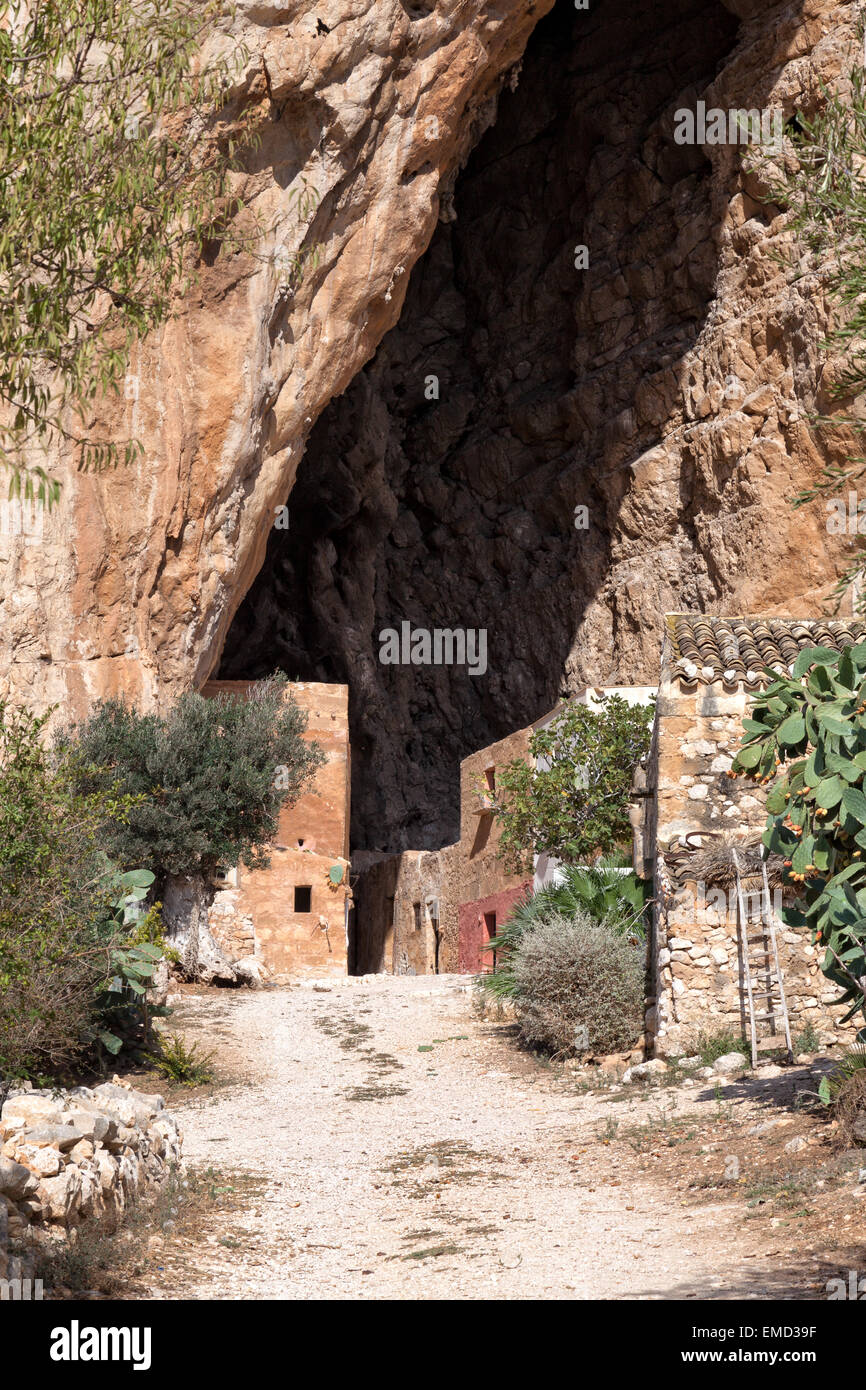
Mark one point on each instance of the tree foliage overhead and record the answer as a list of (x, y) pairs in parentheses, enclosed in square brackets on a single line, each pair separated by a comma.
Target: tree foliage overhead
[(209, 777), (812, 725), (103, 193), (574, 803)]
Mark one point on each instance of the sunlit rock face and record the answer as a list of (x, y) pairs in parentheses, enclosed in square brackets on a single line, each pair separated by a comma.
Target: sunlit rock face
[(556, 445), (368, 109), (663, 384)]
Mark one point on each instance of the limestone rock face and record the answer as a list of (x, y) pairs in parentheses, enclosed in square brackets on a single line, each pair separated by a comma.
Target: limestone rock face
[(665, 388), (369, 108)]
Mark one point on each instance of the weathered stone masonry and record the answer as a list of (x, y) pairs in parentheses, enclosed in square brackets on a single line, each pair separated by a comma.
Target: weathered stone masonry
[(429, 911), (80, 1155), (695, 956)]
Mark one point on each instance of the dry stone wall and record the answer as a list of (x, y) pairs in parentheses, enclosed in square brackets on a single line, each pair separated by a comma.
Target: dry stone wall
[(697, 958), (78, 1155)]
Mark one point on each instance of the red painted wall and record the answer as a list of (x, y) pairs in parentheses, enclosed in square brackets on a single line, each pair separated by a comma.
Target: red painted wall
[(472, 958)]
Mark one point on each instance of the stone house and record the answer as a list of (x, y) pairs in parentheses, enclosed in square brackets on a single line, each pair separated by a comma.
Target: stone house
[(424, 912), (431, 911), (292, 919), (478, 890), (397, 928), (688, 806)]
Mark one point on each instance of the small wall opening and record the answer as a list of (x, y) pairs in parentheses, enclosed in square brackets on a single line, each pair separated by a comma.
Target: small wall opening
[(303, 897)]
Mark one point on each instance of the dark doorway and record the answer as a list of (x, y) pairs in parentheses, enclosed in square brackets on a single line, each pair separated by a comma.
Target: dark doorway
[(490, 932)]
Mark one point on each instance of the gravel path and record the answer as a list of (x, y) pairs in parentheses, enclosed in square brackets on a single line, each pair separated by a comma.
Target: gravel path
[(408, 1150)]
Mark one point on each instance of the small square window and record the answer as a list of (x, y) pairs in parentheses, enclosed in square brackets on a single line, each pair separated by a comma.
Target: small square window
[(303, 897)]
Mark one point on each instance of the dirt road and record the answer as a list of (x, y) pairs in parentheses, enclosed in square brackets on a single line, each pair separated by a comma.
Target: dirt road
[(405, 1149)]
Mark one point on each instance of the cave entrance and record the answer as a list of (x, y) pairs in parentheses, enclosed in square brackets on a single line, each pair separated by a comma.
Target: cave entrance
[(472, 476)]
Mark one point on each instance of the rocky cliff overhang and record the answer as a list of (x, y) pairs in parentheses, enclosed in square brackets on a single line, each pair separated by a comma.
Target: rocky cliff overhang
[(666, 389), (611, 436), (370, 109)]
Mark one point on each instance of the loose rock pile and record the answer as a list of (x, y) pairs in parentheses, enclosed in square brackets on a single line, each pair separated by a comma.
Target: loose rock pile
[(70, 1156)]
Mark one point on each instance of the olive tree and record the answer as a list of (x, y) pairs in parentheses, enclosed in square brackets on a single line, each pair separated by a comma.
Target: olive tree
[(202, 785)]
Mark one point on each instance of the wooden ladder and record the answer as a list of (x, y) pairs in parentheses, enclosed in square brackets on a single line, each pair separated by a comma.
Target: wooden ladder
[(761, 954)]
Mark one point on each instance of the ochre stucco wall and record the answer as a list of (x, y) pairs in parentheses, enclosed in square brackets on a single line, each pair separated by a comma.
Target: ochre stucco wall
[(255, 913)]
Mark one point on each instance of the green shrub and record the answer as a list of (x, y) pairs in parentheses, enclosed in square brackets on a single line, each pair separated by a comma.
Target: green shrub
[(58, 929), (806, 732), (209, 777), (807, 1040), (578, 986), (710, 1046), (600, 891), (852, 1066), (150, 931), (845, 1090), (122, 1010), (182, 1062)]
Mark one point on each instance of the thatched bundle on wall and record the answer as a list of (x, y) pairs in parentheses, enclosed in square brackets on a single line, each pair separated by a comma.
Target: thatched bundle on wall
[(708, 859)]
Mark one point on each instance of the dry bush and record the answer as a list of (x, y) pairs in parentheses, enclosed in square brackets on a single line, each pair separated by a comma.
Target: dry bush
[(846, 1090), (579, 986), (119, 1256)]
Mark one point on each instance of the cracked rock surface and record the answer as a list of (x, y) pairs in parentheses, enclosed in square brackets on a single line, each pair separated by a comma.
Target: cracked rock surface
[(663, 387)]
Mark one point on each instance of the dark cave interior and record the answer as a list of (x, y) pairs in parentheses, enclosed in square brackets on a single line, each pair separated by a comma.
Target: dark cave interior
[(459, 511)]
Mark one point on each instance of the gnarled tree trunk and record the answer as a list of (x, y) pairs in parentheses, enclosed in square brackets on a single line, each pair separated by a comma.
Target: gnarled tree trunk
[(185, 903)]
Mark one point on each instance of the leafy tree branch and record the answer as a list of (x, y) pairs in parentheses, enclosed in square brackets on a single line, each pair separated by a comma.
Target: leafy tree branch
[(811, 728), (115, 146), (571, 798)]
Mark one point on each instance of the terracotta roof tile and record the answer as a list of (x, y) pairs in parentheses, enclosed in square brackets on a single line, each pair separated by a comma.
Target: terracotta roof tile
[(736, 650)]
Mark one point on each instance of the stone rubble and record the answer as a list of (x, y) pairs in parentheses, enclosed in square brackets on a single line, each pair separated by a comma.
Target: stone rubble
[(76, 1155), (730, 1064), (644, 1071)]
